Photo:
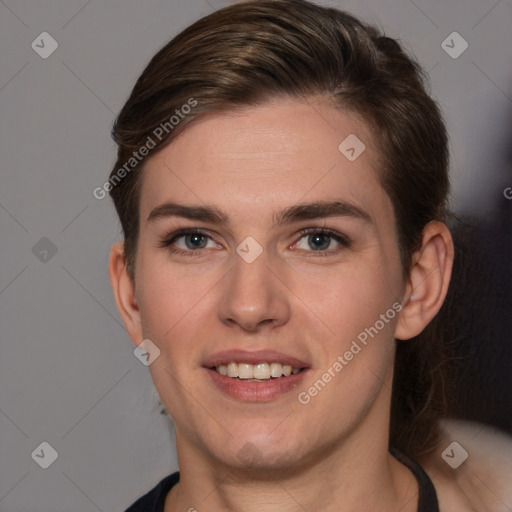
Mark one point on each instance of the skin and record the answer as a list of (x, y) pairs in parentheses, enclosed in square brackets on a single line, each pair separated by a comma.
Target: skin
[(253, 164), (482, 483)]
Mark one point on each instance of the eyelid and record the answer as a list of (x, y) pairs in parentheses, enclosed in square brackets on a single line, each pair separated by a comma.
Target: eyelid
[(169, 239), (341, 238)]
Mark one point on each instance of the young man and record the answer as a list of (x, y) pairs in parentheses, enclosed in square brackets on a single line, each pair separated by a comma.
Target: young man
[(283, 231)]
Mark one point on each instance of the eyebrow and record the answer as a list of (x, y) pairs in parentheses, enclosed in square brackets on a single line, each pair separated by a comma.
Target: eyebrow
[(320, 210), (296, 213), (193, 212)]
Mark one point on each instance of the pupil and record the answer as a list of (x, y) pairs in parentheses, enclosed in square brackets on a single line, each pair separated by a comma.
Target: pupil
[(319, 241), (195, 241)]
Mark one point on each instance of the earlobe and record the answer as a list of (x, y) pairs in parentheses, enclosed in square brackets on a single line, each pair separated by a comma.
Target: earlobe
[(428, 281), (123, 287)]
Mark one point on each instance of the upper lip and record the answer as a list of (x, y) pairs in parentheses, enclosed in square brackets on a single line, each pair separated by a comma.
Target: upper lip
[(252, 357)]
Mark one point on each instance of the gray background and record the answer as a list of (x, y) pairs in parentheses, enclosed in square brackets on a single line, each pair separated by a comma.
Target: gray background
[(68, 375)]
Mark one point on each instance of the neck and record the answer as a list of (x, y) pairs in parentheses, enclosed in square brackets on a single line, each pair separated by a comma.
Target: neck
[(349, 475), (348, 479), (389, 486)]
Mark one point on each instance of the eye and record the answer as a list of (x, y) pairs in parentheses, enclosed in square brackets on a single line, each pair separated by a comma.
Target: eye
[(321, 240), (187, 241), (192, 241)]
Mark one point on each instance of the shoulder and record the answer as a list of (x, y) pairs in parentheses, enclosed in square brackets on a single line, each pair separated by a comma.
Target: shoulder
[(471, 468)]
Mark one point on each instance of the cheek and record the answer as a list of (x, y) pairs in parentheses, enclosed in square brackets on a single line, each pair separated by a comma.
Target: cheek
[(358, 349), (173, 309), (355, 303), (176, 312), (173, 301), (349, 298)]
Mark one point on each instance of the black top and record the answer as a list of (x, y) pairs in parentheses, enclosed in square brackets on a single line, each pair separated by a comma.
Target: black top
[(154, 500), (427, 497)]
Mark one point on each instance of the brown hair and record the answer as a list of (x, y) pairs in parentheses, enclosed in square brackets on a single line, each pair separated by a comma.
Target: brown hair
[(255, 51)]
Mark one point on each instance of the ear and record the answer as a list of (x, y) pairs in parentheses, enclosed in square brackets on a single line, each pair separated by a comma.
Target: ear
[(428, 281), (123, 287)]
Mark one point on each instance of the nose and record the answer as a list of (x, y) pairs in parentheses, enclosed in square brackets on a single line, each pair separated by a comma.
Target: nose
[(254, 296)]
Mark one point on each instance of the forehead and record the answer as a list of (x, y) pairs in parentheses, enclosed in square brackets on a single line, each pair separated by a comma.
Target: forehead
[(267, 157)]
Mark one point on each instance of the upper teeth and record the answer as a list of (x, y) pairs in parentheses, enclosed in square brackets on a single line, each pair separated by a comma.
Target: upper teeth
[(257, 371)]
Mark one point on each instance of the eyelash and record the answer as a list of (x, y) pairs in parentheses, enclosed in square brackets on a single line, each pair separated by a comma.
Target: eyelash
[(167, 242), (343, 240)]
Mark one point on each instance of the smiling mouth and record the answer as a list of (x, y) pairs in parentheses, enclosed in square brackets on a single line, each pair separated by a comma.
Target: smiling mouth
[(260, 372)]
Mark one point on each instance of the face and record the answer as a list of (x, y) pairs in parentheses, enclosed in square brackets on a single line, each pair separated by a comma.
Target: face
[(263, 249)]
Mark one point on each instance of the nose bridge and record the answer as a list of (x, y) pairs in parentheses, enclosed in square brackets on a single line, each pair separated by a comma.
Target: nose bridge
[(253, 295)]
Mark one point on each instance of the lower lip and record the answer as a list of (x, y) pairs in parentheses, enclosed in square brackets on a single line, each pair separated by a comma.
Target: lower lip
[(263, 391)]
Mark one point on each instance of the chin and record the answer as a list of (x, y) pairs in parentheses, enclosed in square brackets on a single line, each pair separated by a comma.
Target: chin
[(259, 452), (253, 458)]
